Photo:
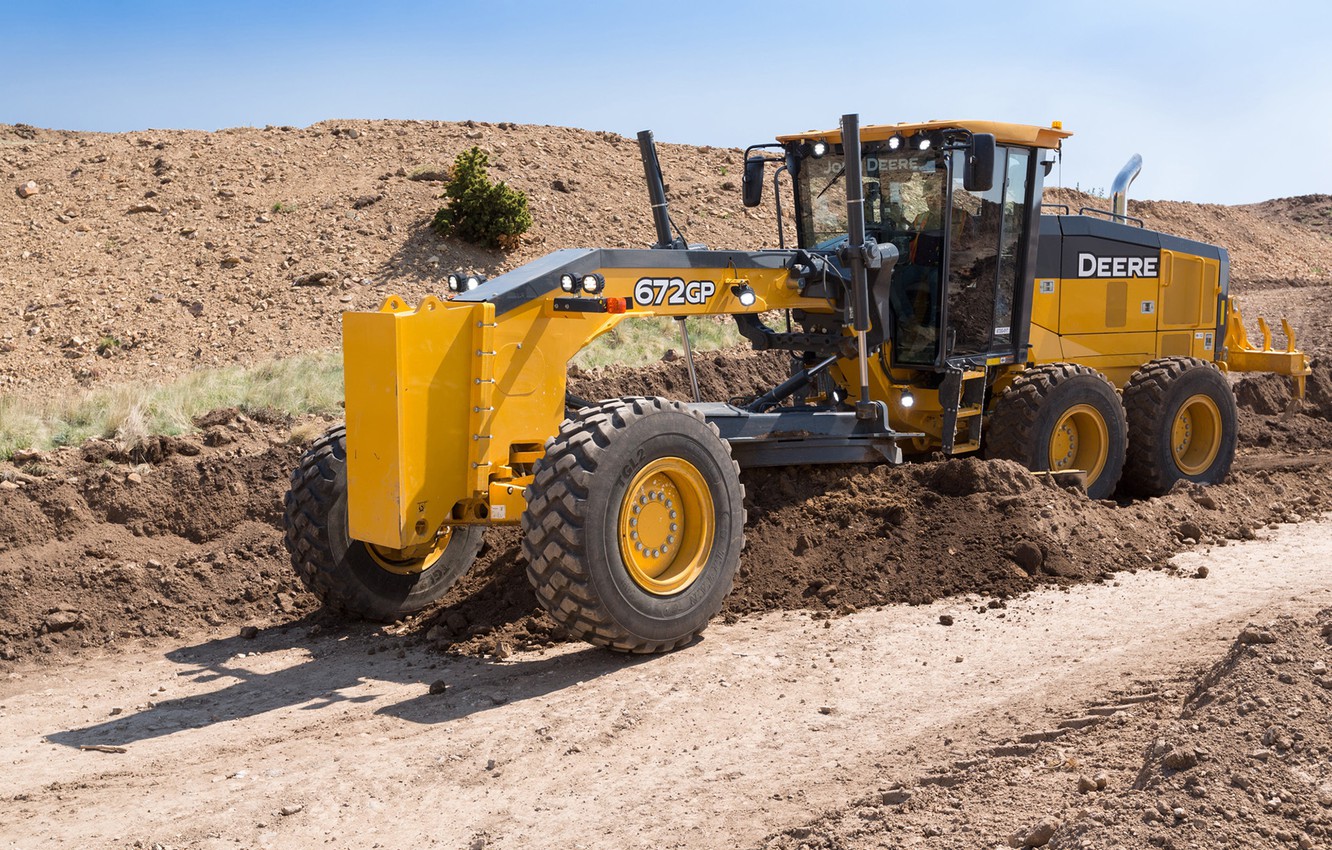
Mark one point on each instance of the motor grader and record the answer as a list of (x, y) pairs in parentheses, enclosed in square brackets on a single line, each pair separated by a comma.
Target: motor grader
[(931, 304)]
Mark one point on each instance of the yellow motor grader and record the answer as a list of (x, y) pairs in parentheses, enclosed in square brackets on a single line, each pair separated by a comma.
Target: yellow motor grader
[(931, 304)]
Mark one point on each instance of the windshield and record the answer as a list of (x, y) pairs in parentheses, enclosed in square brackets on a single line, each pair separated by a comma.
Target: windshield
[(904, 194)]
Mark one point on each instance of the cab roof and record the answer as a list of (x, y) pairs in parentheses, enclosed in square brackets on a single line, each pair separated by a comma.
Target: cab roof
[(1004, 133)]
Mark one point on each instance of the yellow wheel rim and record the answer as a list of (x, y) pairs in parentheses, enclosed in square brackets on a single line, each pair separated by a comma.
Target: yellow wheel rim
[(403, 564), (667, 526), (1195, 435), (1080, 441)]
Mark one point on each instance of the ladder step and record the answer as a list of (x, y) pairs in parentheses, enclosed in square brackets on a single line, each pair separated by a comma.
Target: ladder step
[(970, 411)]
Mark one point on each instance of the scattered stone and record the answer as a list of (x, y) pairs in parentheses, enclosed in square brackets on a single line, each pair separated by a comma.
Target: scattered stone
[(1180, 758), (116, 711), (323, 277), (1037, 835), (1256, 634), (143, 208), (59, 621), (825, 709), (457, 622), (365, 200), (1201, 572), (249, 632), (27, 190), (438, 687), (1028, 556), (290, 809), (945, 619), (1086, 784), (896, 796), (8, 485), (1190, 529)]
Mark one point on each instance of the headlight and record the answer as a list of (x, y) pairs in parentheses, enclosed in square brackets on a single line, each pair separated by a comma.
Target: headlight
[(923, 142), (593, 283), (896, 142), (473, 281), (818, 149), (453, 282), (567, 282), (744, 294)]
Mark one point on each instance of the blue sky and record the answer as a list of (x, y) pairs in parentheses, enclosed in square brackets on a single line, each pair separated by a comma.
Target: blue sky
[(1224, 100)]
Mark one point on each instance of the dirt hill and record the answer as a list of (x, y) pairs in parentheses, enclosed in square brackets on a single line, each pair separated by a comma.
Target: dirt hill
[(146, 254)]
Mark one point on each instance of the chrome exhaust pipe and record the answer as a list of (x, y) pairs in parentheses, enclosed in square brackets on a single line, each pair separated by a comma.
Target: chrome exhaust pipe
[(1119, 189)]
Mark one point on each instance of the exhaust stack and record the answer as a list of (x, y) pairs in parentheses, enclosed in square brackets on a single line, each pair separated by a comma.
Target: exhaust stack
[(1119, 189)]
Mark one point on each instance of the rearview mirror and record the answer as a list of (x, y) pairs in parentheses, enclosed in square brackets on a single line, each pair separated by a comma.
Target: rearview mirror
[(752, 184), (978, 173)]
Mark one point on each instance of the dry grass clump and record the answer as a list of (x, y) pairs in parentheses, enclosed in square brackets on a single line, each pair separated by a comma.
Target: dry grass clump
[(131, 413), (637, 342)]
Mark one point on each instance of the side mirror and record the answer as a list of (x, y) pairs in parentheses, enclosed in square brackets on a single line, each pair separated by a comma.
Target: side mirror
[(978, 174), (752, 183)]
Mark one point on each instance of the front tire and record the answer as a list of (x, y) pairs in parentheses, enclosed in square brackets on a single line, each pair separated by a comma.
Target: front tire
[(634, 524), (1182, 425), (1062, 417), (349, 575)]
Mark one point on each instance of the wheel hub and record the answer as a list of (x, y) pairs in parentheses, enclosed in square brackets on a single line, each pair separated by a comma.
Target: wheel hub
[(1080, 441), (667, 524), (1195, 434), (411, 562)]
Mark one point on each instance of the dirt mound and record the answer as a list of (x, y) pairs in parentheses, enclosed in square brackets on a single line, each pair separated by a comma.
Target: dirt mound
[(1246, 763), (98, 551), (1269, 418), (147, 254), (1232, 755), (101, 547)]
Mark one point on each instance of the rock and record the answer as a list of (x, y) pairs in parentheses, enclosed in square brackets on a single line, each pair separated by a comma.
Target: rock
[(825, 709), (456, 622), (438, 686), (1201, 572), (143, 208), (365, 200), (1180, 758), (8, 485), (323, 277), (1101, 781), (249, 632), (134, 478), (438, 633), (670, 356), (945, 619), (1256, 634), (290, 809), (1086, 784), (1277, 738), (1189, 528), (1028, 556), (896, 796), (59, 621), (27, 190), (1037, 835), (116, 711)]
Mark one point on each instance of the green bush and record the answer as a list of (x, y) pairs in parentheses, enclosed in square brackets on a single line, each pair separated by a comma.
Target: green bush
[(479, 211)]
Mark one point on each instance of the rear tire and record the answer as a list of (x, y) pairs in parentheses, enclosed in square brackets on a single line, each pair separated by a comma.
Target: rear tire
[(348, 575), (1182, 425), (640, 559), (1061, 416)]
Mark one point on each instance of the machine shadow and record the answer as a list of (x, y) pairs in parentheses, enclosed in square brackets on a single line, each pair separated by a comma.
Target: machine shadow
[(412, 258), (338, 664)]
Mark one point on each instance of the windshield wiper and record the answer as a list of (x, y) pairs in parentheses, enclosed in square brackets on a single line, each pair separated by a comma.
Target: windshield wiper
[(834, 179)]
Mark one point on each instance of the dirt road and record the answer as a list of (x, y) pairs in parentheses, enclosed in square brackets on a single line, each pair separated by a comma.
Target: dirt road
[(291, 740)]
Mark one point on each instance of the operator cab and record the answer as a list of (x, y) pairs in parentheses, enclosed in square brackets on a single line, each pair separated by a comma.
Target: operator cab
[(953, 298)]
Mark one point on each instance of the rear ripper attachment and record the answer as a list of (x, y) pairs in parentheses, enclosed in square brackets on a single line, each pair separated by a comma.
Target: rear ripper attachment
[(928, 306)]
